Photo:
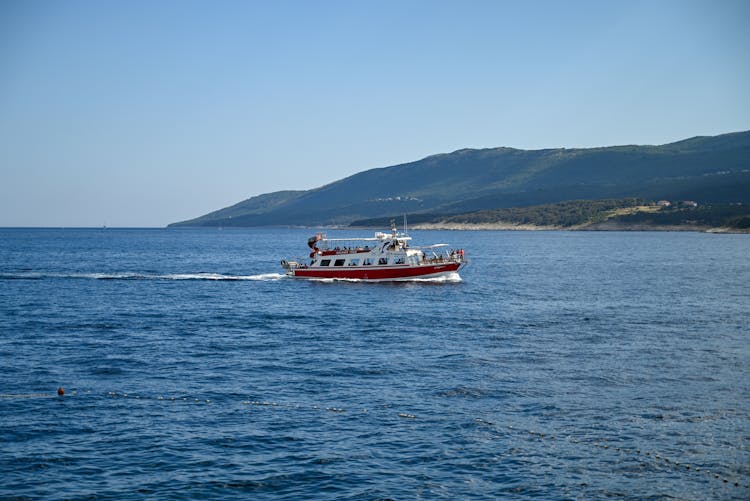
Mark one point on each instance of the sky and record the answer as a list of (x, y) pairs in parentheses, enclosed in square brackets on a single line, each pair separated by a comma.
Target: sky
[(142, 113)]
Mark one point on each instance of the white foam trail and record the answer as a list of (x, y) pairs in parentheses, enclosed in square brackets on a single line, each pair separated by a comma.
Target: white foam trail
[(196, 276), (104, 276), (217, 276), (264, 276), (142, 276), (450, 278)]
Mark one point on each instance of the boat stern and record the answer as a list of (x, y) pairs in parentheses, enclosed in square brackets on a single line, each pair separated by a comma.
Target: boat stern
[(291, 266)]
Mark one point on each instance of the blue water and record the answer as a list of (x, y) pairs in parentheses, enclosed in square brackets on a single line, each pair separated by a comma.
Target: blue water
[(561, 365)]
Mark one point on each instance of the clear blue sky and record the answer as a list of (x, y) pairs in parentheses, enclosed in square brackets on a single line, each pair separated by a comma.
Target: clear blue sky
[(144, 113)]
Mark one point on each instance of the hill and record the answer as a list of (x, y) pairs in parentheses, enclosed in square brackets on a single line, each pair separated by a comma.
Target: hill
[(625, 214), (706, 169)]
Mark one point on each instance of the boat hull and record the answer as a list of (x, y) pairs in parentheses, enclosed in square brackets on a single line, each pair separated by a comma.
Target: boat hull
[(379, 274)]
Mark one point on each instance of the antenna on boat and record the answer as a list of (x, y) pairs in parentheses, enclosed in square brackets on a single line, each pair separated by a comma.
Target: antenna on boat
[(405, 231)]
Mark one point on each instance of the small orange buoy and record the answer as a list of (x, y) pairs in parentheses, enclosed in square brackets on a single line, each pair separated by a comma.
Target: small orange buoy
[(60, 392)]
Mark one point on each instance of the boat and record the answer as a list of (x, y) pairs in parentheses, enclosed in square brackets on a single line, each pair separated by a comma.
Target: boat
[(384, 257)]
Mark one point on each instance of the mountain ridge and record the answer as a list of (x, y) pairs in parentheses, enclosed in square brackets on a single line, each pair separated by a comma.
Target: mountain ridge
[(708, 168)]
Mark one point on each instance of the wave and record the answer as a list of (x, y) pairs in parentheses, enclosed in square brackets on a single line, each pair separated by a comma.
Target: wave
[(29, 275), (452, 277), (449, 278), (217, 276), (139, 276)]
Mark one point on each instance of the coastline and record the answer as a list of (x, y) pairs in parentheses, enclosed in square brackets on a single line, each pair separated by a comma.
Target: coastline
[(605, 226)]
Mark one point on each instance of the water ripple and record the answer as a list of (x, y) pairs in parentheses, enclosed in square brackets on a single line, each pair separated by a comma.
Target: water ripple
[(560, 366)]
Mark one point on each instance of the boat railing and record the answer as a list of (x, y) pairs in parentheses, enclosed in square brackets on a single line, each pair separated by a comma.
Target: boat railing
[(293, 264), (454, 256), (344, 250)]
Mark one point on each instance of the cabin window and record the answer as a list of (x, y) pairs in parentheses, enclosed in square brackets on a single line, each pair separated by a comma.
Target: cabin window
[(354, 262), (399, 260), (339, 262), (367, 261), (383, 260), (325, 262)]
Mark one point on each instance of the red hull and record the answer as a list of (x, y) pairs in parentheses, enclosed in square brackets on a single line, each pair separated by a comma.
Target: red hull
[(376, 273)]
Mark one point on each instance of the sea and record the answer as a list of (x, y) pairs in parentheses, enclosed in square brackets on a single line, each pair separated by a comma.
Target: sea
[(558, 365)]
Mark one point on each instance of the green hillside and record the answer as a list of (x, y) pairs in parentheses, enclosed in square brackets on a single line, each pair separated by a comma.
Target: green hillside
[(705, 169), (629, 213), (255, 205)]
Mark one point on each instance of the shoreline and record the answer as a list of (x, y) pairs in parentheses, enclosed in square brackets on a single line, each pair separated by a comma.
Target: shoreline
[(589, 227), (424, 226)]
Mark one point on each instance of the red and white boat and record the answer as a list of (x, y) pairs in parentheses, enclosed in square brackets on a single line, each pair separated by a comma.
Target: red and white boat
[(383, 257)]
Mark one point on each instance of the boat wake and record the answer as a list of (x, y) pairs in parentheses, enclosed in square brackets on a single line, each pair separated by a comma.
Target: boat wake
[(263, 277), (140, 276), (449, 278)]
